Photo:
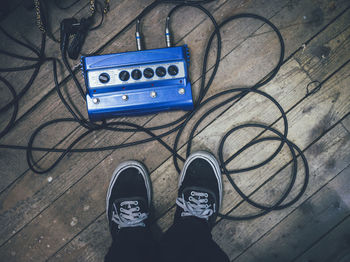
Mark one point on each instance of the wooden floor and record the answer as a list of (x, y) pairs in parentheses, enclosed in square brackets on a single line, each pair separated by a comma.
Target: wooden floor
[(61, 216)]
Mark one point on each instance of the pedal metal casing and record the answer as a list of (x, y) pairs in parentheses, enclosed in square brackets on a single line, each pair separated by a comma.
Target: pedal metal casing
[(116, 88)]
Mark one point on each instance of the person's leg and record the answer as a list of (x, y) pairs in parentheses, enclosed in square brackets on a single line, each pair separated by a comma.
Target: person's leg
[(128, 205), (198, 202)]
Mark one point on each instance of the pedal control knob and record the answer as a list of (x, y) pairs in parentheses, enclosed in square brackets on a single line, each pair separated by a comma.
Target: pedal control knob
[(136, 74), (124, 75), (148, 72), (103, 78), (160, 71), (173, 70)]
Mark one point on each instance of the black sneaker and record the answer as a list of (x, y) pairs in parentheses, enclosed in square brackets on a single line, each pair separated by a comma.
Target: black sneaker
[(128, 197), (200, 188)]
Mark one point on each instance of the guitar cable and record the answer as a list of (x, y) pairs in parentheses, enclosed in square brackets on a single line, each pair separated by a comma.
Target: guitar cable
[(230, 96)]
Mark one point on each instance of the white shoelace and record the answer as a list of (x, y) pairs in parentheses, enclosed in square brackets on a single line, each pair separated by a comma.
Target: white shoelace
[(128, 216), (196, 206)]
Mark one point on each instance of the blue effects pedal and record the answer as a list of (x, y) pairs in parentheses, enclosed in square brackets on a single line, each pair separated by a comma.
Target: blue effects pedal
[(139, 82)]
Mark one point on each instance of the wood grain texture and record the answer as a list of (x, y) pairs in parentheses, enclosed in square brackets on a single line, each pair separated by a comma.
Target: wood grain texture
[(43, 84), (229, 236), (333, 246), (306, 224), (296, 134), (82, 177), (301, 115), (40, 182), (107, 31), (346, 124), (168, 218), (238, 237), (55, 108)]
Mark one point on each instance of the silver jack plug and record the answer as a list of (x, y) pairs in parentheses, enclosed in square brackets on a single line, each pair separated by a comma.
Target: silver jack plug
[(138, 36), (167, 33)]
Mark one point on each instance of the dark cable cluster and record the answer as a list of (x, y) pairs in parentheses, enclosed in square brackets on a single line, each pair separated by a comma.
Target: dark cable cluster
[(231, 95)]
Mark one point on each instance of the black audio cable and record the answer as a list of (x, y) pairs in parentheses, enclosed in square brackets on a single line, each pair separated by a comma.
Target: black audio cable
[(42, 14), (231, 96), (38, 61)]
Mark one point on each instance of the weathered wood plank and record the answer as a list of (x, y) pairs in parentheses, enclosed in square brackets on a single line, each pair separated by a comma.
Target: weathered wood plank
[(301, 133), (38, 115), (39, 88), (245, 111), (80, 249), (333, 247), (127, 41), (83, 246), (93, 41), (297, 131), (85, 243), (346, 124), (14, 137), (304, 225), (106, 32), (298, 134), (14, 198), (236, 237), (30, 184), (26, 30), (168, 182)]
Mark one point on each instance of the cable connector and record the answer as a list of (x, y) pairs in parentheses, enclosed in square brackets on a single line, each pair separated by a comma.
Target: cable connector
[(167, 33), (68, 27), (138, 36)]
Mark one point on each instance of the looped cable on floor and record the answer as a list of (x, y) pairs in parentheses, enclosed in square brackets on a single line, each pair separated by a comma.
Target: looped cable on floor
[(230, 96), (39, 60)]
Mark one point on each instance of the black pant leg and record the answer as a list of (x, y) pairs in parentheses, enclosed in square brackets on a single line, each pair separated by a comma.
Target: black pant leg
[(131, 245), (190, 240)]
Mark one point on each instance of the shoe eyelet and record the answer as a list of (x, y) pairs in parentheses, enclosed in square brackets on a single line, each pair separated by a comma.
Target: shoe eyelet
[(136, 202), (190, 198), (137, 208), (192, 193), (206, 194), (206, 200)]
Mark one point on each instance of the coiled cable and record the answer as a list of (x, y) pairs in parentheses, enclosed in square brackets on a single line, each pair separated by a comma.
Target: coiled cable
[(181, 123)]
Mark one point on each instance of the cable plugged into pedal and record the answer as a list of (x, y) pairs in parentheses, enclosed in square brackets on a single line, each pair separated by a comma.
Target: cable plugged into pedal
[(138, 82), (79, 30), (120, 77)]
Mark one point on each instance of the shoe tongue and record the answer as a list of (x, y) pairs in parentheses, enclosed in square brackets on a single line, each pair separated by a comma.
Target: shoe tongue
[(128, 203)]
